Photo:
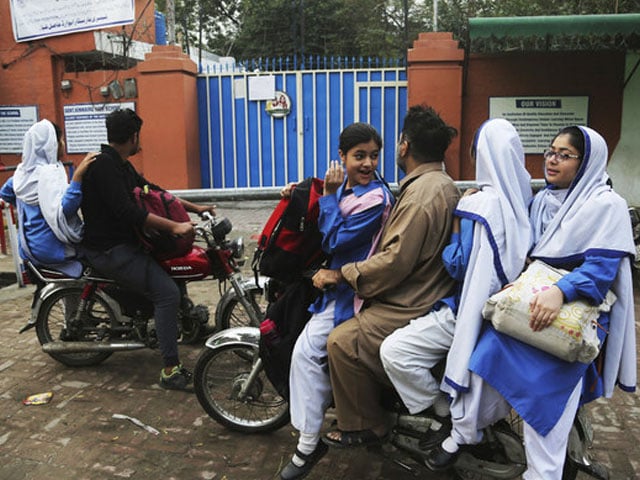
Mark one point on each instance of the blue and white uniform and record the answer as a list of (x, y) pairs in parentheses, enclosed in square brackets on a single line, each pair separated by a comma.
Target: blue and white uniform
[(47, 206), (585, 229), (489, 251), (350, 222)]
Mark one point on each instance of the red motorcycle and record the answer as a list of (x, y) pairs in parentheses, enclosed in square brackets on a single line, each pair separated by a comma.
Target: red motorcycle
[(82, 321)]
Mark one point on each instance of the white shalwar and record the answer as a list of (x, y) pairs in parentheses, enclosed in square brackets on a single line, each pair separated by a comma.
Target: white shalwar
[(409, 354), (309, 376)]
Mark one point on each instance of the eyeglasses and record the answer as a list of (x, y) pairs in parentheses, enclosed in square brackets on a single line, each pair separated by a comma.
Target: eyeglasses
[(560, 157)]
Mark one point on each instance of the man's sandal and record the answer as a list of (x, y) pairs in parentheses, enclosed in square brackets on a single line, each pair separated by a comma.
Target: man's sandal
[(359, 438)]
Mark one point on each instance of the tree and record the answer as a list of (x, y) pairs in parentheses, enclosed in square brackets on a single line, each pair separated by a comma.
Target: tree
[(383, 28)]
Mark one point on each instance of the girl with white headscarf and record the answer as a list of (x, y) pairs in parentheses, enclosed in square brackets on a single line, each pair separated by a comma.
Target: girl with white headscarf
[(579, 224), (488, 249), (47, 206)]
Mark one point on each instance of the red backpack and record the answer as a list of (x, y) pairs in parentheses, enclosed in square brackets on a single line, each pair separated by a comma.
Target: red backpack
[(162, 245), (291, 242)]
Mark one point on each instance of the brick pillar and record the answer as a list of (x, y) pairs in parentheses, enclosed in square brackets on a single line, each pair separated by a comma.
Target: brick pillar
[(434, 77), (169, 108)]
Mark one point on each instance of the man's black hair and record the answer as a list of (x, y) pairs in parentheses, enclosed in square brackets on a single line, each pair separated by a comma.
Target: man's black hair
[(427, 134), (121, 125)]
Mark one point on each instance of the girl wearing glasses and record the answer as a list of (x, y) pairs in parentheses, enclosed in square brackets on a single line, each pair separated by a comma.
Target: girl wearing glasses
[(579, 224)]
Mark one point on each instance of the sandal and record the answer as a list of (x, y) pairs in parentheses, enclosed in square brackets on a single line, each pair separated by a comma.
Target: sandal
[(358, 438)]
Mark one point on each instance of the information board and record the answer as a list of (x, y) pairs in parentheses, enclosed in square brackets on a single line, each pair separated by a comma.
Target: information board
[(84, 125), (538, 119), (34, 19), (15, 120)]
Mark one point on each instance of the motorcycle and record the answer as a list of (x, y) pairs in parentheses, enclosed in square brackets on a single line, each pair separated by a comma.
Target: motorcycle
[(82, 321), (231, 385)]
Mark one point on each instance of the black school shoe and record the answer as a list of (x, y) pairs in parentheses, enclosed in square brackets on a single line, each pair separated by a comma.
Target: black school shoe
[(435, 437), (292, 472), (439, 459)]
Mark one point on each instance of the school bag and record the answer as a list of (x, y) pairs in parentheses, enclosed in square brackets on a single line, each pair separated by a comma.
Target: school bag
[(290, 242), (162, 245), (290, 313)]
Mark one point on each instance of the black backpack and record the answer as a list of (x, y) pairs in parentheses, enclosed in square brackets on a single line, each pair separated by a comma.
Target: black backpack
[(290, 313)]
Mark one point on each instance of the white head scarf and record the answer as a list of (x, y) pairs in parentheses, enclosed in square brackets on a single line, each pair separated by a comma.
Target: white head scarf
[(501, 237), (39, 148), (41, 180), (594, 219)]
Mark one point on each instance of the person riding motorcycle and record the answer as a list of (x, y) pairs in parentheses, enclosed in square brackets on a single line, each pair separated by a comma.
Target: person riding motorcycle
[(353, 209), (490, 239), (48, 220), (112, 246), (402, 280), (580, 224)]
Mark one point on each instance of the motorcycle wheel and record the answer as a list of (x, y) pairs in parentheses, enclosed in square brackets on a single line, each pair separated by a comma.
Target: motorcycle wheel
[(51, 322), (231, 313), (218, 378)]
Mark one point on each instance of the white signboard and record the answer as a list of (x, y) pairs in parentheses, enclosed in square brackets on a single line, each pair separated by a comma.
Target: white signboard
[(538, 119), (84, 125), (34, 19), (14, 123), (262, 88)]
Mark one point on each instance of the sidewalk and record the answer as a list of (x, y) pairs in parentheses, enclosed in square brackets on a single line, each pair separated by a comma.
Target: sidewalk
[(76, 437)]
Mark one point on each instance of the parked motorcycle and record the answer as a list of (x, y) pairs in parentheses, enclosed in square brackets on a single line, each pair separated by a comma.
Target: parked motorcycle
[(232, 387), (81, 322)]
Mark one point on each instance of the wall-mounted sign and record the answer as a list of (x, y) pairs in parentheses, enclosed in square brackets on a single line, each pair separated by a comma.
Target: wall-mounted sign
[(280, 106), (15, 120), (262, 87), (47, 18), (84, 125), (538, 119)]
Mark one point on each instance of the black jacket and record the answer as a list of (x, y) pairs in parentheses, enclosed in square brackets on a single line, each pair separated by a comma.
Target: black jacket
[(110, 213)]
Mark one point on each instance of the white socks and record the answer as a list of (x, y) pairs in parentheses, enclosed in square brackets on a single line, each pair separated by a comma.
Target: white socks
[(449, 445), (307, 443)]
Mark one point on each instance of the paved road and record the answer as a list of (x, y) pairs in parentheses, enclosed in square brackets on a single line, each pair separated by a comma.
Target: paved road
[(76, 437)]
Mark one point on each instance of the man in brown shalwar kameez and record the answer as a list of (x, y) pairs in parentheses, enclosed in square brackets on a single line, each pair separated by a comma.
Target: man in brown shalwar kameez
[(401, 281)]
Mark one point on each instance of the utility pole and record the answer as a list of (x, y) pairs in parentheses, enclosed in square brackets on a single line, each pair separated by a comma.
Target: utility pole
[(171, 22), (405, 8), (435, 15)]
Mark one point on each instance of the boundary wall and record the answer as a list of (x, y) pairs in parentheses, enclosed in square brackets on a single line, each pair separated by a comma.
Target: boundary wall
[(459, 85)]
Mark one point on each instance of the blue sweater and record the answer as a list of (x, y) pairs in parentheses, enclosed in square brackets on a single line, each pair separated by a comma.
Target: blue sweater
[(347, 239)]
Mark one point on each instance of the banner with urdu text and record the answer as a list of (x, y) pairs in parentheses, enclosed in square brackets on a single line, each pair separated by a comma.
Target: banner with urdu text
[(47, 18)]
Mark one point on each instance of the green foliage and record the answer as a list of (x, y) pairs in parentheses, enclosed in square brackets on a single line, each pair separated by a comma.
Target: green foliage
[(382, 28)]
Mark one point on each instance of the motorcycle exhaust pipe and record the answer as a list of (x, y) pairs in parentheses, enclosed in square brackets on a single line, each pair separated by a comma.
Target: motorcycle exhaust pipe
[(84, 347)]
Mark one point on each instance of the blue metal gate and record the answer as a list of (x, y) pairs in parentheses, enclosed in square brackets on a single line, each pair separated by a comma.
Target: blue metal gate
[(243, 146)]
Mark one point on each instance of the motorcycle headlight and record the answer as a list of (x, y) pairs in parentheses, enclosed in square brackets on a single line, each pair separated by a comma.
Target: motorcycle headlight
[(220, 228), (237, 247)]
